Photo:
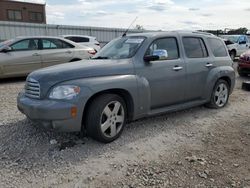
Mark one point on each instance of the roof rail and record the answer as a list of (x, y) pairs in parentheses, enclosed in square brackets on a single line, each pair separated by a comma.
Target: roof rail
[(204, 33)]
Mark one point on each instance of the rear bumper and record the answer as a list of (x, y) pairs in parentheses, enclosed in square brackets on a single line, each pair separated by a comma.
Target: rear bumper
[(50, 114)]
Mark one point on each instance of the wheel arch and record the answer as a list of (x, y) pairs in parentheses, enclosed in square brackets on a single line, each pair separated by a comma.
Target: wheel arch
[(225, 73), (75, 59), (227, 79), (234, 50), (124, 94)]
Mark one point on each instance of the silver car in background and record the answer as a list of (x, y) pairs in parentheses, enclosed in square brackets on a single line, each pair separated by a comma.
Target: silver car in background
[(20, 56)]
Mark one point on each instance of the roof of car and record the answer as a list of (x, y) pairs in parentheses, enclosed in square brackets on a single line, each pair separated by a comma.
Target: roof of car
[(48, 37), (27, 37), (78, 36), (152, 34)]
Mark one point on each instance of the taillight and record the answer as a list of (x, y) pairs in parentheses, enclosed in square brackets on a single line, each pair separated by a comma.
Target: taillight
[(92, 52)]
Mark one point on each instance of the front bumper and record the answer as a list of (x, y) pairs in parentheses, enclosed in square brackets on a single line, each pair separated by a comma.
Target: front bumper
[(50, 114)]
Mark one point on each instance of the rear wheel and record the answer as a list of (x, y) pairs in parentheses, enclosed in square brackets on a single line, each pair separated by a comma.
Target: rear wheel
[(106, 118), (241, 73), (246, 85), (220, 95)]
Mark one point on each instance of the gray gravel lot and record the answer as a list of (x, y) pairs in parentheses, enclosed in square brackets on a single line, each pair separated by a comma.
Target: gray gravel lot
[(152, 152)]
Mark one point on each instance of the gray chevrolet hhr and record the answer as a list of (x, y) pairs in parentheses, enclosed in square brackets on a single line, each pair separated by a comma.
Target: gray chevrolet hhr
[(132, 77)]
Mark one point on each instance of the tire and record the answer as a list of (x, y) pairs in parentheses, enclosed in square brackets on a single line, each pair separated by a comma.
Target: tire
[(241, 74), (106, 118), (246, 85), (74, 60), (220, 95), (232, 54)]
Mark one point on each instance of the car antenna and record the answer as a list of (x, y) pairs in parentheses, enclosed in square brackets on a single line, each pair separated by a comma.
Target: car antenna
[(125, 33)]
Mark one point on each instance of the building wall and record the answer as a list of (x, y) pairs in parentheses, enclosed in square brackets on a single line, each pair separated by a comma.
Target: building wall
[(27, 10), (9, 30)]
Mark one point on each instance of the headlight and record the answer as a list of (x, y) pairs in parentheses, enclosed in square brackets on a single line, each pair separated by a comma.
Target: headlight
[(64, 92)]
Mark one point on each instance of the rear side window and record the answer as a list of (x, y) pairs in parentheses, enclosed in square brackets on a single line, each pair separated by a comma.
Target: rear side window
[(55, 44), (78, 39), (217, 47), (169, 44), (195, 47)]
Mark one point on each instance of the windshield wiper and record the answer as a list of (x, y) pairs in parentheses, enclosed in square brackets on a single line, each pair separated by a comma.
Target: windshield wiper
[(100, 57)]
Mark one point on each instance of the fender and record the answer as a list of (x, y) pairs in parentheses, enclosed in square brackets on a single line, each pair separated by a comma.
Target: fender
[(214, 75), (96, 85)]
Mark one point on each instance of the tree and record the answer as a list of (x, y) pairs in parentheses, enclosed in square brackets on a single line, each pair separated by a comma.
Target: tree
[(139, 27), (239, 31)]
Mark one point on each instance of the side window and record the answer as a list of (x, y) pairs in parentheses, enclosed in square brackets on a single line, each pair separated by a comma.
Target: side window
[(194, 47), (55, 44), (242, 39), (66, 45), (169, 44), (49, 44), (78, 39), (28, 44), (217, 47), (83, 39)]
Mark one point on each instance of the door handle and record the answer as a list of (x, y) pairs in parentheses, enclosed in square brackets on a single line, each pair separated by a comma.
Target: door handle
[(36, 54), (177, 68), (209, 65)]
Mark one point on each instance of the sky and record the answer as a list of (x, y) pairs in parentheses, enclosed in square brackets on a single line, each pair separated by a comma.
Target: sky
[(151, 14)]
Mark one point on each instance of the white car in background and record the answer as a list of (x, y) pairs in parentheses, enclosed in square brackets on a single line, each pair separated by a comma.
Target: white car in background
[(236, 44), (20, 56), (84, 40)]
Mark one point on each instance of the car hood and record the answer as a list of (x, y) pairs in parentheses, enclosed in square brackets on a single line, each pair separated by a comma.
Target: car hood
[(47, 77)]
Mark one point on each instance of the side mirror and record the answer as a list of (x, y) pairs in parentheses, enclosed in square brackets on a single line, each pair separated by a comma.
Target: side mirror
[(159, 54), (149, 58), (6, 49), (242, 42), (163, 54)]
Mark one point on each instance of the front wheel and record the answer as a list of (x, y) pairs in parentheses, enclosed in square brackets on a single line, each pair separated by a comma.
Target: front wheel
[(220, 95), (106, 118)]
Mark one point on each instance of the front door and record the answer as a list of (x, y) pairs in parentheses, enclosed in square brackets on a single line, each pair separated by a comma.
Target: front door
[(167, 78), (22, 59)]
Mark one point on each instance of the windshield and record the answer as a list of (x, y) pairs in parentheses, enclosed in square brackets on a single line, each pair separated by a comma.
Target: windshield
[(5, 43), (232, 38), (121, 48)]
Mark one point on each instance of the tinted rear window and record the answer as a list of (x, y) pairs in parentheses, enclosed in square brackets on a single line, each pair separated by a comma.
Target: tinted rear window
[(78, 39), (194, 47), (217, 47)]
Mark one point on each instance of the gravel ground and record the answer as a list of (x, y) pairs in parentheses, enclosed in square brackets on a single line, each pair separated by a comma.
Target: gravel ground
[(198, 147)]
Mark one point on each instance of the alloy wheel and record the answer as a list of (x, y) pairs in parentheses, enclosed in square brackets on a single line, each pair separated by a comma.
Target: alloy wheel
[(221, 95), (112, 119)]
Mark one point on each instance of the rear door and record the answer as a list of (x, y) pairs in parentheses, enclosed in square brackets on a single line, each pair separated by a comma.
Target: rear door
[(22, 59), (198, 65), (55, 51)]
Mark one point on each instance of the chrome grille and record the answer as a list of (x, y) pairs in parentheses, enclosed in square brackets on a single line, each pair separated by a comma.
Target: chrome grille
[(32, 88)]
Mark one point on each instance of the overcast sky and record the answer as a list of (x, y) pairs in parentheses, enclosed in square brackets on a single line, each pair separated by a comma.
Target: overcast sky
[(152, 14)]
